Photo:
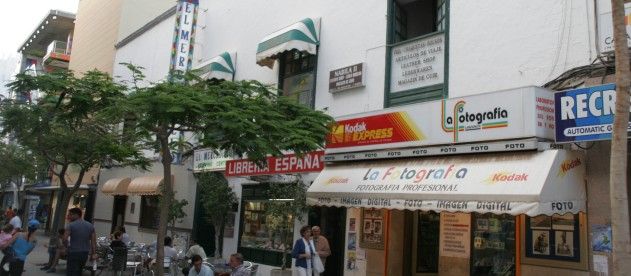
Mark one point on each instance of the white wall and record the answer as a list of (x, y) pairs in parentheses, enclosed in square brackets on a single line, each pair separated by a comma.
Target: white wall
[(152, 51), (495, 44), (184, 186), (136, 13), (351, 32)]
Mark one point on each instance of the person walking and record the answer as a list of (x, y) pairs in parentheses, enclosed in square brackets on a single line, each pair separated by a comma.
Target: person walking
[(16, 221), (82, 242), (20, 246), (304, 252), (322, 247)]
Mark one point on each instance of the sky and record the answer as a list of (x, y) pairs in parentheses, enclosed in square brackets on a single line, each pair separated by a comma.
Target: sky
[(18, 20)]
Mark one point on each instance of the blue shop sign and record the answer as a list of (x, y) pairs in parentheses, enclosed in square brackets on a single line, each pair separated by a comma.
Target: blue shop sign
[(585, 114)]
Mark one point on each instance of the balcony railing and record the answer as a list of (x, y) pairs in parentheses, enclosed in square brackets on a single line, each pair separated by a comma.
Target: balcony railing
[(57, 54)]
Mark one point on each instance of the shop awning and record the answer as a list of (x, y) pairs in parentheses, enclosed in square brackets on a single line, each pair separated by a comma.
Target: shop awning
[(220, 67), (531, 183), (116, 186), (146, 185), (303, 36)]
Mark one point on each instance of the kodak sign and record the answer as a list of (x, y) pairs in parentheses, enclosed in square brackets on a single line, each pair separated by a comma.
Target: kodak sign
[(378, 129)]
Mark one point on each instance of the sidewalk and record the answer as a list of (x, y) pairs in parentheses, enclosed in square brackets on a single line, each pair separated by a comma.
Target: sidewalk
[(39, 255)]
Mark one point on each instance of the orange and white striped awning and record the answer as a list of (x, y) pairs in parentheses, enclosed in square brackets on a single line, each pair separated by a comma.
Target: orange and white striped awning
[(116, 186), (146, 185)]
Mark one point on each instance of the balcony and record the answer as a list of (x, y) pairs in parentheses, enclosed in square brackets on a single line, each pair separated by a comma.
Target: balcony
[(57, 55)]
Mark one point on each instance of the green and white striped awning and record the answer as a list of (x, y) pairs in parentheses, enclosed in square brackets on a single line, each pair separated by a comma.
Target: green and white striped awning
[(220, 67), (303, 35)]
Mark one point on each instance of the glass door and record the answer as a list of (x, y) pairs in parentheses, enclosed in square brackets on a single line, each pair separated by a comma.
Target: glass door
[(493, 250), (426, 235)]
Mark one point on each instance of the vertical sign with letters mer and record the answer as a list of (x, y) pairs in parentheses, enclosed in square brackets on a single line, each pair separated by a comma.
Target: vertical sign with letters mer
[(184, 35)]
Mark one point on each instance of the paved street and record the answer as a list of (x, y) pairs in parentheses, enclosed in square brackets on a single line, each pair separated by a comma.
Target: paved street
[(40, 255)]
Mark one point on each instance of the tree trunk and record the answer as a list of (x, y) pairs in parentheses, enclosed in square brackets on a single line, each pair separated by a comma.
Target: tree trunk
[(59, 220), (618, 174), (167, 197)]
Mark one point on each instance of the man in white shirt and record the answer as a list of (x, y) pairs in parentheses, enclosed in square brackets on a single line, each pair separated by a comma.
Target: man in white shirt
[(199, 269), (169, 251), (16, 221), (195, 249)]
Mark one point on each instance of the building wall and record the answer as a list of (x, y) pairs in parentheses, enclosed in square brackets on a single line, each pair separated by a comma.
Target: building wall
[(184, 187), (495, 45), (152, 51), (136, 13), (95, 33), (351, 32)]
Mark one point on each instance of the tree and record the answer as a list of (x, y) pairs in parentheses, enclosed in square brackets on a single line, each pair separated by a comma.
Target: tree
[(289, 202), (245, 117), (176, 213), (218, 200), (66, 128), (19, 167), (618, 162)]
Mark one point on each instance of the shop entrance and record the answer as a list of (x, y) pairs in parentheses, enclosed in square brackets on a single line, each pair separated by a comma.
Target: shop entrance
[(332, 222), (425, 232), (118, 212)]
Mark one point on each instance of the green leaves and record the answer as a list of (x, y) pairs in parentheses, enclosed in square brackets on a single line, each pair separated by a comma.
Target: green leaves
[(68, 125), (245, 116)]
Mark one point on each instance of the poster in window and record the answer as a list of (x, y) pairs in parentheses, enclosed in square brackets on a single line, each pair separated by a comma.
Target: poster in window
[(540, 222), (377, 227), (352, 241), (563, 222), (482, 224), (540, 242), (367, 226), (564, 243), (351, 225), (371, 235)]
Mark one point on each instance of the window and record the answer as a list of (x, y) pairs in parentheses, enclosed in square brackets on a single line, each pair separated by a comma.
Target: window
[(149, 212), (256, 233), (417, 50), (553, 237), (256, 242), (493, 250), (297, 76), (417, 18)]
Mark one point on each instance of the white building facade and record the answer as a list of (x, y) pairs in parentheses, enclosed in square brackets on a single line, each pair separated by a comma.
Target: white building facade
[(403, 54)]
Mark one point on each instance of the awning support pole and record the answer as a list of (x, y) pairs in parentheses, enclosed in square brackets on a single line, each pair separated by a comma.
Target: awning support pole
[(386, 242)]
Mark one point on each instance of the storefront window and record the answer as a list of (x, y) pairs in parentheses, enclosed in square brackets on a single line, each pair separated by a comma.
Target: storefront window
[(256, 242), (553, 237), (256, 233), (493, 245)]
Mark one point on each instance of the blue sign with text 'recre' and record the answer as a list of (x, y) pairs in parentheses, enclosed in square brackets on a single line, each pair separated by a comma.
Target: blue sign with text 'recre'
[(585, 114)]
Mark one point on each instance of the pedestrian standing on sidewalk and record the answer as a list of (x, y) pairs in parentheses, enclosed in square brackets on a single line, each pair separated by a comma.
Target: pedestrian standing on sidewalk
[(16, 221), (322, 247), (304, 252), (82, 242)]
